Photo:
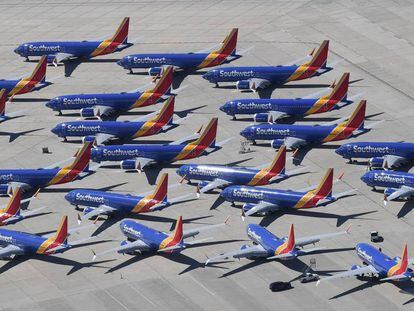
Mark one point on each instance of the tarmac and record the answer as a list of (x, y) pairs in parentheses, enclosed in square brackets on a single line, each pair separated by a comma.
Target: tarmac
[(373, 40)]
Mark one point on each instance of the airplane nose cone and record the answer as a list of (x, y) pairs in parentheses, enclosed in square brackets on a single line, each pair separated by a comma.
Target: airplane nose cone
[(208, 75), (121, 63), (69, 197), (56, 129), (365, 178), (247, 132), (225, 193), (340, 151)]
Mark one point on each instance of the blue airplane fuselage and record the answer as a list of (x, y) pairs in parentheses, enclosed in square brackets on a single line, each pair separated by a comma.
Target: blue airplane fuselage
[(181, 60), (117, 101), (273, 74), (123, 203), (33, 177), (376, 149), (388, 179), (29, 243), (381, 262), (252, 106)]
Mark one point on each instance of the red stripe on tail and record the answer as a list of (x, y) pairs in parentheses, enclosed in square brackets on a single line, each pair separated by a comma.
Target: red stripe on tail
[(166, 114), (13, 207), (404, 261), (340, 90), (160, 193), (177, 235), (229, 43), (325, 186), (82, 158), (208, 137), (290, 244), (164, 84), (320, 57), (3, 99), (62, 231), (358, 116), (279, 162), (121, 35), (39, 73)]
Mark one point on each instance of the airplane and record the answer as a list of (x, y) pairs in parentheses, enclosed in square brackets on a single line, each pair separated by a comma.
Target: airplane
[(34, 179), (260, 77), (269, 246), (12, 214), (296, 136), (221, 176), (377, 263), (35, 81), (3, 115), (106, 104), (16, 243), (59, 51), (259, 200), (398, 185), (184, 61), (103, 131), (380, 154), (98, 203), (273, 109), (136, 157), (141, 238)]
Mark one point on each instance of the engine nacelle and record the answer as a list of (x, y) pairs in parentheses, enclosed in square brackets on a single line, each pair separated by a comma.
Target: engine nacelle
[(248, 206), (261, 117), (89, 113), (155, 71), (202, 184), (243, 85), (51, 59), (87, 210), (128, 165), (377, 162), (389, 191), (277, 143), (88, 139)]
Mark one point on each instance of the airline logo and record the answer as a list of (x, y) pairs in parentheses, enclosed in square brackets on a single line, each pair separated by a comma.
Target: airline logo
[(6, 177), (82, 128), (121, 153), (79, 101), (252, 234), (371, 149), (149, 60), (253, 105), (272, 131), (364, 255), (90, 198), (6, 239), (243, 193), (389, 178), (203, 171), (236, 74), (44, 48), (131, 231)]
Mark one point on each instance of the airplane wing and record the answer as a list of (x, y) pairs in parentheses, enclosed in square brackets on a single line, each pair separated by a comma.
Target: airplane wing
[(257, 83), (60, 57), (261, 207), (250, 251), (393, 160), (316, 238), (276, 115), (10, 250), (104, 110), (196, 231), (350, 273), (294, 142), (142, 162), (101, 209), (136, 246), (214, 184), (100, 138), (404, 191)]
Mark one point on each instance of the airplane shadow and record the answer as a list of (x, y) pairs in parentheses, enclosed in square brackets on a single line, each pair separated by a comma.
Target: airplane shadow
[(340, 219), (14, 136), (407, 207), (28, 100), (179, 76), (71, 65)]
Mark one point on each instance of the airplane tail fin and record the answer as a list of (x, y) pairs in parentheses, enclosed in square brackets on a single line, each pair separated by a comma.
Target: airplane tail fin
[(290, 242), (61, 235), (39, 73), (3, 99), (83, 156), (324, 188), (229, 44), (320, 56), (165, 116), (121, 34), (161, 191), (208, 137), (340, 91), (279, 162), (164, 84), (13, 206), (356, 120), (177, 235)]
